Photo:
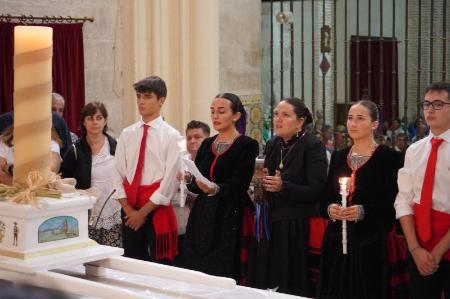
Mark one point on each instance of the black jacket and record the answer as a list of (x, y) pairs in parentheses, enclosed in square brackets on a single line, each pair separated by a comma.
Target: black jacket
[(213, 229), (376, 189), (304, 174), (77, 162)]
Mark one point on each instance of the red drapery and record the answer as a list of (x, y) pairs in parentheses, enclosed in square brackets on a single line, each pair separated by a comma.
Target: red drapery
[(385, 74), (67, 68)]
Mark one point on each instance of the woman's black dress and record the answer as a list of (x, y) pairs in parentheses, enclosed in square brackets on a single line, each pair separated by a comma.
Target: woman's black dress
[(364, 271), (286, 265), (213, 229)]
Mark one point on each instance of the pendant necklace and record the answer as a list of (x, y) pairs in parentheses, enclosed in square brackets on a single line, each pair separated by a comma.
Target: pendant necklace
[(281, 165)]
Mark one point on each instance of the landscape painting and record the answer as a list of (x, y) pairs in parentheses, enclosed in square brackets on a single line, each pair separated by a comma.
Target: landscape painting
[(58, 228)]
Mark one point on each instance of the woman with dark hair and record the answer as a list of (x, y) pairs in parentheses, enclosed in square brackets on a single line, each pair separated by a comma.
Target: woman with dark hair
[(90, 161), (296, 169), (227, 159), (363, 272)]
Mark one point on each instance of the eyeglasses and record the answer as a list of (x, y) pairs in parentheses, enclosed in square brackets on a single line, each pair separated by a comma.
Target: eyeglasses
[(437, 105)]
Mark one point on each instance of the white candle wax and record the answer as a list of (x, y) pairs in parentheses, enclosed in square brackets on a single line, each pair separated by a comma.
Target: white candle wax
[(32, 113), (182, 191), (344, 183)]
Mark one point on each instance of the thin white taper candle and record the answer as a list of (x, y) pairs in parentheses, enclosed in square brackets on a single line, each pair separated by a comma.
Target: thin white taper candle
[(182, 191), (343, 183)]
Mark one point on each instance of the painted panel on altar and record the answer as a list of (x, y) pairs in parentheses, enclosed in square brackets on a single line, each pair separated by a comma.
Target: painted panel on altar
[(58, 228)]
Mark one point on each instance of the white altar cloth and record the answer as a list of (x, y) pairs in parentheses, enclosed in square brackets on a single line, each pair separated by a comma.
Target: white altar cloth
[(160, 288)]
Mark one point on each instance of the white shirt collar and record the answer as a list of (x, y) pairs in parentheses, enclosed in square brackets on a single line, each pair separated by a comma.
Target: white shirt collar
[(445, 135), (153, 123)]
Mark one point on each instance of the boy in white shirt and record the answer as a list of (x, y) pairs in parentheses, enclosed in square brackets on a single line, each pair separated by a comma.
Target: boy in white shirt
[(423, 200), (147, 160)]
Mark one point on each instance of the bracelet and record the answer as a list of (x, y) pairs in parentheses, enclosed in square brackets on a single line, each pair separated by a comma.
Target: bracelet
[(412, 250), (329, 215), (360, 213), (216, 190)]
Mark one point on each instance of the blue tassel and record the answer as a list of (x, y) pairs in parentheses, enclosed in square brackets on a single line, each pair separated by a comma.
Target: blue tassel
[(258, 216), (262, 221), (266, 220)]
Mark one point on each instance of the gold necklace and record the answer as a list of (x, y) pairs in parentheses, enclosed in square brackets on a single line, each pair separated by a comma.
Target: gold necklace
[(281, 165)]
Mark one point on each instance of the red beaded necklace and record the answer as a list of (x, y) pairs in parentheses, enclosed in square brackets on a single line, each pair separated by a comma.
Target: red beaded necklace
[(354, 169)]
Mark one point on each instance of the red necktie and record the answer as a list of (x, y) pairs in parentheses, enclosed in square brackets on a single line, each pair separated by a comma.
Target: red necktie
[(423, 212), (140, 165)]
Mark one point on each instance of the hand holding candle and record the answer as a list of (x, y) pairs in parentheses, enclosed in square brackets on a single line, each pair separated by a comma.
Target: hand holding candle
[(344, 184)]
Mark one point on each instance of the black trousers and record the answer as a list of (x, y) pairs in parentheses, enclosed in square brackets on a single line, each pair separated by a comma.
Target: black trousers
[(432, 286), (140, 244)]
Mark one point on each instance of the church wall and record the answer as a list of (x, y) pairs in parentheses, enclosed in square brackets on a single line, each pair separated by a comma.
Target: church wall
[(102, 46)]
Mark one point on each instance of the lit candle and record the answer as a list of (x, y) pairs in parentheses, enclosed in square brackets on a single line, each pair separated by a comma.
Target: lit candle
[(344, 183), (182, 191), (32, 100)]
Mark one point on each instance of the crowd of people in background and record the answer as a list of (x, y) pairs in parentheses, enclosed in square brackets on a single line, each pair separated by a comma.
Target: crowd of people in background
[(398, 134), (269, 244)]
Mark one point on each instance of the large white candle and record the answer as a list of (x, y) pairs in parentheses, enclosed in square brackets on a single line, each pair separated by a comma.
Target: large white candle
[(32, 100)]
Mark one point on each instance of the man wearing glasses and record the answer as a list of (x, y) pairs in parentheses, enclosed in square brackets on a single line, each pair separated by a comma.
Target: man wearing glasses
[(423, 200)]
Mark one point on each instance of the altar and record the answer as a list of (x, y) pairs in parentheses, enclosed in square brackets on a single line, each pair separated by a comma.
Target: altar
[(48, 246)]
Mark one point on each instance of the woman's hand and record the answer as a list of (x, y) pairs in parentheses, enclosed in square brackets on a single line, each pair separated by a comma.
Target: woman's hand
[(335, 211), (273, 183), (184, 175), (350, 213), (180, 175), (205, 188)]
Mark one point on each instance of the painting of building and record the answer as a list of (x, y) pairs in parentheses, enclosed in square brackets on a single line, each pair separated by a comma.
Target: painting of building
[(58, 228)]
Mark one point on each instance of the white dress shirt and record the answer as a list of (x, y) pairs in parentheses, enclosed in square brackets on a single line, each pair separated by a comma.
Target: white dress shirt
[(410, 177), (162, 159)]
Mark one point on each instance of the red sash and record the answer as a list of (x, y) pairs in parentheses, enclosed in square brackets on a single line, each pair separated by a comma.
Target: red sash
[(440, 224), (317, 227), (164, 220)]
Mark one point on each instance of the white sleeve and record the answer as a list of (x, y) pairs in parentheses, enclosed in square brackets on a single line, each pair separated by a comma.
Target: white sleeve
[(6, 153), (169, 184), (4, 150), (404, 201), (119, 169), (54, 146)]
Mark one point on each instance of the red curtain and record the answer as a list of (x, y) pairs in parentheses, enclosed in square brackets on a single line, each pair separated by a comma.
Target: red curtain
[(388, 78), (68, 68), (6, 66)]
